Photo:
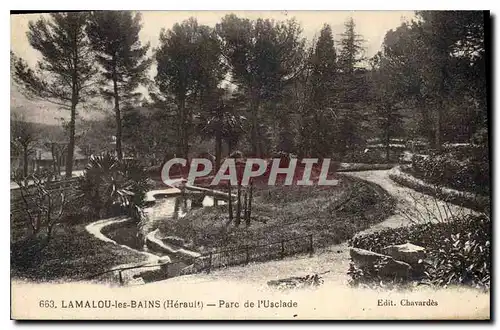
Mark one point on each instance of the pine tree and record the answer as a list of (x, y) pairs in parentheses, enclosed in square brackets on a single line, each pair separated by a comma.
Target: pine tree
[(264, 57), (317, 120), (65, 72), (189, 69), (352, 90), (124, 64)]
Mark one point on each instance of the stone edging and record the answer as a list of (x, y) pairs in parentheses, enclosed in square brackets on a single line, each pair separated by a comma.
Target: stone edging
[(95, 229)]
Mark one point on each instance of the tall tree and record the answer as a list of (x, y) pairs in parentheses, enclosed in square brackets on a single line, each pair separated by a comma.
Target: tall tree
[(386, 98), (437, 66), (454, 39), (65, 73), (264, 56), (123, 60), (189, 69), (317, 120), (352, 89)]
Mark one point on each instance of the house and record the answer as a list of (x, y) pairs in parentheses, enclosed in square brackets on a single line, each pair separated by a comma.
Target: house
[(53, 158)]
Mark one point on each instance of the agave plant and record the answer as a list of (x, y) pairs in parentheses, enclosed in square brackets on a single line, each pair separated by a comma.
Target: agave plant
[(110, 186)]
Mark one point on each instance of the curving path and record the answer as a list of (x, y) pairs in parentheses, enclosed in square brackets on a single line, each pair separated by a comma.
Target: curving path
[(332, 261)]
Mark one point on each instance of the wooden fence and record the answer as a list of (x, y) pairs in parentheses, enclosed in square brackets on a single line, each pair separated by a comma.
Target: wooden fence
[(210, 261)]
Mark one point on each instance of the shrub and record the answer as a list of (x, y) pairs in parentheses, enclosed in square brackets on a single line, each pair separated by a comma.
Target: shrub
[(110, 187), (44, 208), (460, 170), (457, 252)]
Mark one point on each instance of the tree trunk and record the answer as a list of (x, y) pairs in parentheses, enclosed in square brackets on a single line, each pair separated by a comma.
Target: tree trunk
[(218, 155), (238, 206), (230, 203), (25, 161), (426, 121), (250, 197), (182, 147), (119, 152), (245, 208), (254, 104), (71, 144), (388, 139), (438, 127)]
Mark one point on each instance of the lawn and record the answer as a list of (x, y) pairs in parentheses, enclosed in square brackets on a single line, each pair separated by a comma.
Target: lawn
[(73, 254), (331, 213)]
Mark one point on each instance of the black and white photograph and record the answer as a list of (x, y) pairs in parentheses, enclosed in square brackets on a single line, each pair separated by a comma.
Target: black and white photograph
[(257, 165)]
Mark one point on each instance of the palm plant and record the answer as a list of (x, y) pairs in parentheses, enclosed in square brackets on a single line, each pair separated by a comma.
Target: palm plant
[(110, 186)]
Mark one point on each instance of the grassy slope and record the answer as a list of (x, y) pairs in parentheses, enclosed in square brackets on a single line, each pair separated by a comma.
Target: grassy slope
[(331, 213), (74, 254)]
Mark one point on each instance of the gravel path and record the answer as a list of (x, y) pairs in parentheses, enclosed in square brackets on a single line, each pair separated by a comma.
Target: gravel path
[(333, 261)]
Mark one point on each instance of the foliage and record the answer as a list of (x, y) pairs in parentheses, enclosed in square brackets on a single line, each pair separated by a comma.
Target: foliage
[(457, 251), (189, 68), (317, 118), (44, 209), (437, 67), (84, 255), (65, 72), (122, 58), (352, 91), (110, 187), (23, 136), (264, 57), (465, 170)]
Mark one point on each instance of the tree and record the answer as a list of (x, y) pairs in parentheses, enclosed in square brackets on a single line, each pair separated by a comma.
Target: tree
[(264, 57), (437, 66), (65, 73), (189, 69), (386, 99), (452, 38), (352, 89), (317, 120), (23, 137), (45, 209), (124, 64)]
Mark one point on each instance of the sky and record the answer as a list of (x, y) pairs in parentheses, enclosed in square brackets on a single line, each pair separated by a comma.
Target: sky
[(371, 25)]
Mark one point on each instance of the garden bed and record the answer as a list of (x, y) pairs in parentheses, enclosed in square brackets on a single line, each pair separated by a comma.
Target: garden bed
[(331, 213), (466, 199), (457, 252), (73, 254)]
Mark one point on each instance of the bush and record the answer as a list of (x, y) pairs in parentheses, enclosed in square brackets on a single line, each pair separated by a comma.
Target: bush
[(110, 187), (457, 252), (468, 200), (461, 170)]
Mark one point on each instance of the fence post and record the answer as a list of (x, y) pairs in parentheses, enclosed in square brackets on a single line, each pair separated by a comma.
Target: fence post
[(209, 263), (311, 248), (248, 255), (120, 276), (282, 249)]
